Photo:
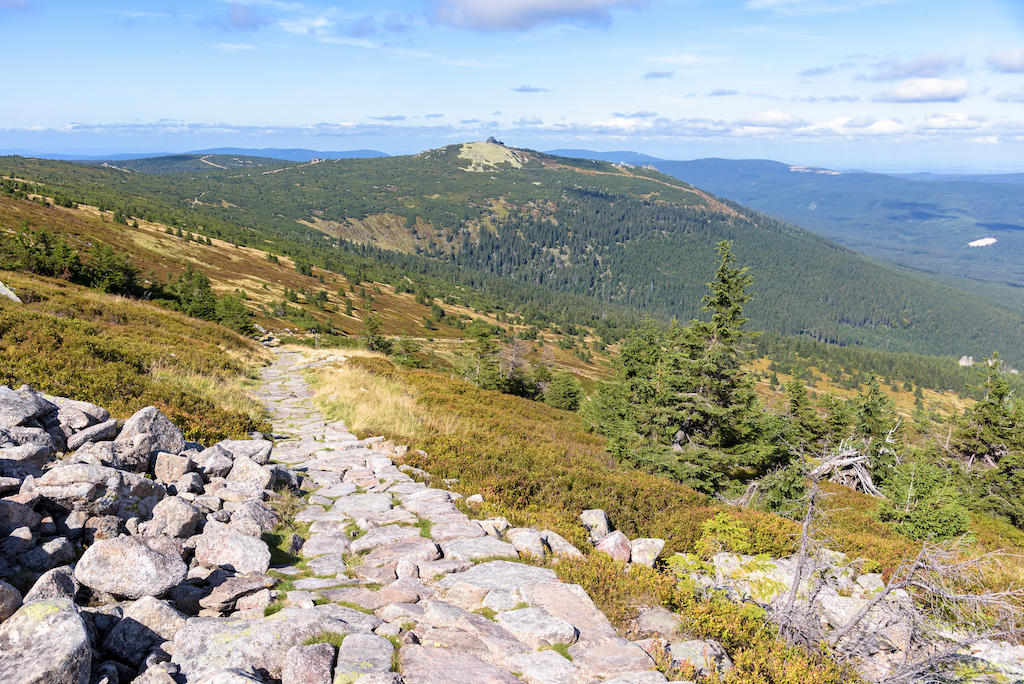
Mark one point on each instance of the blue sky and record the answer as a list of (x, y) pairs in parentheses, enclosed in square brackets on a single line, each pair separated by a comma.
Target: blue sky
[(876, 84)]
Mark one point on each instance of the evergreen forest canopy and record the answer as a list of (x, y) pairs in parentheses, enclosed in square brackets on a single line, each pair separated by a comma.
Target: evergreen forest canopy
[(532, 229)]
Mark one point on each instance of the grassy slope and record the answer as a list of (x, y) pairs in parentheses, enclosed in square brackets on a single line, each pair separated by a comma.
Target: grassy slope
[(245, 268), (124, 355), (539, 466)]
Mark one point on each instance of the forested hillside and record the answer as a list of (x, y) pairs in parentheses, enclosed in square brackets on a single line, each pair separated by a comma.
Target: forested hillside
[(534, 228), (925, 224)]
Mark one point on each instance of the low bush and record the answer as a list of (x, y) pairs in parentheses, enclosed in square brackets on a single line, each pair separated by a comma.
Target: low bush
[(760, 657)]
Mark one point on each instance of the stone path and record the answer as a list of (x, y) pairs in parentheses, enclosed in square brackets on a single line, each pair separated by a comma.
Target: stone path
[(142, 557), (285, 393), (413, 563)]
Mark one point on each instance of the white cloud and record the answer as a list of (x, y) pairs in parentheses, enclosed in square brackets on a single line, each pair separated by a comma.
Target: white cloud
[(1009, 61), (1011, 95), (519, 15), (951, 122), (826, 98), (926, 66), (642, 114), (196, 130), (311, 26), (771, 119), (622, 127), (816, 71), (926, 90), (854, 127)]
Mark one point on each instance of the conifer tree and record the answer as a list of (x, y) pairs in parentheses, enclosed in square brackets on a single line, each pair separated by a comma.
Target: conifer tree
[(709, 395), (564, 392), (876, 420), (807, 428), (375, 340), (838, 417), (681, 398), (992, 428)]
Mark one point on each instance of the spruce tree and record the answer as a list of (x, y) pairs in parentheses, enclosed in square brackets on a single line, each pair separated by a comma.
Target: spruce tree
[(807, 428), (838, 418), (681, 403), (564, 392), (711, 399), (372, 329), (876, 420), (992, 428)]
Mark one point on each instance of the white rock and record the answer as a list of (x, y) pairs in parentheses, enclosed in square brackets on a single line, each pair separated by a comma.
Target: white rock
[(535, 627), (526, 541), (597, 524), (645, 551)]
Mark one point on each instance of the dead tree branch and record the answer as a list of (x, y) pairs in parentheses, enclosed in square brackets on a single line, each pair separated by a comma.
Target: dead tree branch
[(932, 607)]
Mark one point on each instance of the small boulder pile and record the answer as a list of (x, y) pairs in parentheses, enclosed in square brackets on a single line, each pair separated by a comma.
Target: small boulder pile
[(120, 539), (643, 551), (663, 640)]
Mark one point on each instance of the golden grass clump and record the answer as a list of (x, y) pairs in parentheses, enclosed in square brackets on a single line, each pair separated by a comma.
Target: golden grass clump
[(368, 403)]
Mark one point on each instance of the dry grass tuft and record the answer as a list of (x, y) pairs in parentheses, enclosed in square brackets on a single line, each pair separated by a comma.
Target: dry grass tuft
[(371, 403), (227, 392), (368, 403)]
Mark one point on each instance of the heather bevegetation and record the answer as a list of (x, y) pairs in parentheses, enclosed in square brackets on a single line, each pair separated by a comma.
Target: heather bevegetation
[(71, 341), (758, 653)]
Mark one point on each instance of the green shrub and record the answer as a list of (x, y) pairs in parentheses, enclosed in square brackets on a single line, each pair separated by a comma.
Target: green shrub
[(564, 392)]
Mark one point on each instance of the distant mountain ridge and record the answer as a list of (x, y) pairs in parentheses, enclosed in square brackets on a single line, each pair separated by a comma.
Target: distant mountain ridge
[(1016, 178), (925, 224), (293, 154), (613, 157)]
